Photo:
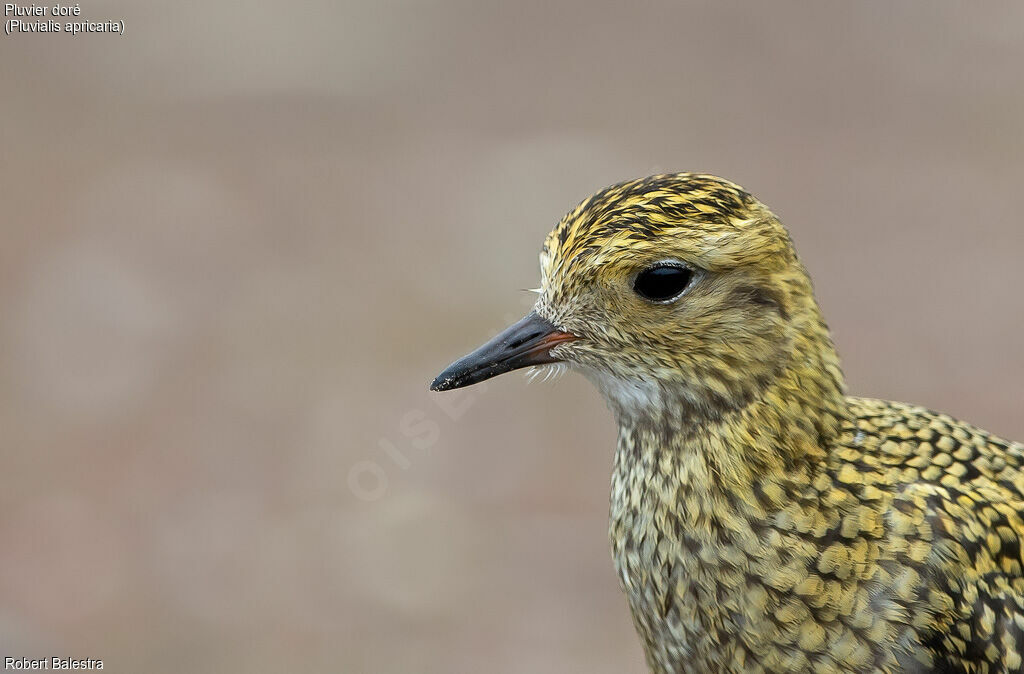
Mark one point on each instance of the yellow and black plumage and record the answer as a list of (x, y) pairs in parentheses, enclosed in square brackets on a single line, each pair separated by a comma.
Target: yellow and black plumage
[(761, 519)]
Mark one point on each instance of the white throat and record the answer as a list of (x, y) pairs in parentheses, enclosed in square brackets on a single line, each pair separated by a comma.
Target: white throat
[(633, 397)]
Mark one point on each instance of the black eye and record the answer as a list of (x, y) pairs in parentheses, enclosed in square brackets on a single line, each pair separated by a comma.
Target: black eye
[(663, 282)]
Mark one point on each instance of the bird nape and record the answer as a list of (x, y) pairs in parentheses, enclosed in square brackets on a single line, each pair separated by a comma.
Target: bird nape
[(762, 519)]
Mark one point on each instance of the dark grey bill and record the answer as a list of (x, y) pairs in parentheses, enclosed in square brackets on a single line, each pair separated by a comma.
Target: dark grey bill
[(528, 342)]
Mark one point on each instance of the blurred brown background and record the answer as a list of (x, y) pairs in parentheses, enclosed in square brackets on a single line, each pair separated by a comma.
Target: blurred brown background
[(240, 240)]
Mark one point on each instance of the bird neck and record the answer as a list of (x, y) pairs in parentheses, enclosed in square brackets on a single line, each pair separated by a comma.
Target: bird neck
[(774, 441)]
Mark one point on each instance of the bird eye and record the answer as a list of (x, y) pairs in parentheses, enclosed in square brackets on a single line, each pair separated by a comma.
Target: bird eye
[(662, 282)]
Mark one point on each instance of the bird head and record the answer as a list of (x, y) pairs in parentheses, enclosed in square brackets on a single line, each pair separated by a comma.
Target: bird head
[(676, 291)]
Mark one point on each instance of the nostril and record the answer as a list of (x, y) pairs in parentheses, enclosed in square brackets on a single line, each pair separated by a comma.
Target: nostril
[(523, 339)]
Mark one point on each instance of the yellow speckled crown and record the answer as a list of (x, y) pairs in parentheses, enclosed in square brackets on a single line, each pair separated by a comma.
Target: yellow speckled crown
[(710, 218)]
